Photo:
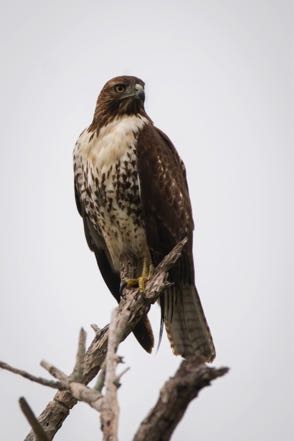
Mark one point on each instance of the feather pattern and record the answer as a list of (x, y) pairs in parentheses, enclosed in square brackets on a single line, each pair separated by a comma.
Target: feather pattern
[(168, 219), (132, 193)]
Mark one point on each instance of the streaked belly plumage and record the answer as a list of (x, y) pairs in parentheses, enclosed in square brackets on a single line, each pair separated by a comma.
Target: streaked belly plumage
[(110, 189)]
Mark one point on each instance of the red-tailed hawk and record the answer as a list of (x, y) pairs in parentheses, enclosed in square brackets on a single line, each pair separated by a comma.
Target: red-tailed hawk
[(132, 193)]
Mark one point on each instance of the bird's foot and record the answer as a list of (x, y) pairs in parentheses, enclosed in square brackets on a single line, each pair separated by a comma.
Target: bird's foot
[(140, 283), (132, 283)]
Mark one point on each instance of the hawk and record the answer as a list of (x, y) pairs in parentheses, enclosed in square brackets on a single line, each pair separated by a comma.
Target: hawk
[(132, 193)]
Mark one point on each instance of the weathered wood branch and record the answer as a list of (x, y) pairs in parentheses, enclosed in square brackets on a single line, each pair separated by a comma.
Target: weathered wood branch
[(107, 405), (175, 396), (28, 376), (110, 407), (32, 420), (58, 409), (133, 306)]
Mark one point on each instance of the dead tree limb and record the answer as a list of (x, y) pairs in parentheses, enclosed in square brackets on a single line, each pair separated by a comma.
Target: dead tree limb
[(175, 396), (110, 407), (32, 420), (133, 306), (107, 406), (28, 376)]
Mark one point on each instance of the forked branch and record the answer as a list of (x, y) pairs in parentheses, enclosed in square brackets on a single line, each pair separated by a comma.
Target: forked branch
[(176, 394), (133, 306)]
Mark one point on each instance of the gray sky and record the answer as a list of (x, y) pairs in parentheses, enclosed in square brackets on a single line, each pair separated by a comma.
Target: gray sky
[(219, 80)]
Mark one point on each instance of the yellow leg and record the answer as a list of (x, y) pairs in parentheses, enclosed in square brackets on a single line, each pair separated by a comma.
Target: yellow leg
[(141, 281), (145, 275)]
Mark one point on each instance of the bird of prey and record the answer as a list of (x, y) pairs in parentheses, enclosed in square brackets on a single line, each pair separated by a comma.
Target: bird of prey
[(132, 193)]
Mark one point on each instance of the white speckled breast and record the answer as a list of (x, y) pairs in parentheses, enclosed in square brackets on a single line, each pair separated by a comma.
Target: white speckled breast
[(108, 183)]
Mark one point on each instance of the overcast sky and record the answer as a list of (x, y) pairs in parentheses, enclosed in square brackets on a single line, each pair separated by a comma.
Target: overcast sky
[(219, 82)]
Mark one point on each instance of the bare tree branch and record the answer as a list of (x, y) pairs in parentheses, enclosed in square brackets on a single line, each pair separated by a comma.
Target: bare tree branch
[(78, 370), (136, 305), (110, 407), (58, 409), (32, 420), (95, 328), (28, 376), (100, 379), (123, 372), (107, 405), (79, 391), (54, 371), (175, 396), (87, 395)]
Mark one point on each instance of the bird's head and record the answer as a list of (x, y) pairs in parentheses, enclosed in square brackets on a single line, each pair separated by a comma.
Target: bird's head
[(120, 96)]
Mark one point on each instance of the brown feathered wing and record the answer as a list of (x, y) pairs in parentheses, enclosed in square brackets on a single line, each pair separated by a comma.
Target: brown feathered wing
[(168, 219)]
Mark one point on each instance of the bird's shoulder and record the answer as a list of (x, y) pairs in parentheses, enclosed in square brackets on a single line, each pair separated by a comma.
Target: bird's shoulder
[(154, 148), (164, 188)]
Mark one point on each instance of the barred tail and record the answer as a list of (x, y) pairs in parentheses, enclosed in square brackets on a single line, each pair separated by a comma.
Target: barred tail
[(185, 323)]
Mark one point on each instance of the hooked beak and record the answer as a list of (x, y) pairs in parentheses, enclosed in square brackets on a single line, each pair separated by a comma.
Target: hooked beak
[(139, 92), (136, 91)]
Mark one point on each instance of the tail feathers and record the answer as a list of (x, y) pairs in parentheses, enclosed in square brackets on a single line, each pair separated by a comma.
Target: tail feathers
[(144, 335), (185, 323)]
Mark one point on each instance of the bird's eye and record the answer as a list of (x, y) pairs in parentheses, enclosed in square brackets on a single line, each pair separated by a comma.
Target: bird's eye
[(119, 88)]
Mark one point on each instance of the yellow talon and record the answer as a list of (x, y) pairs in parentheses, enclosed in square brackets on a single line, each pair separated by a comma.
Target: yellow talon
[(142, 280), (139, 282), (132, 283)]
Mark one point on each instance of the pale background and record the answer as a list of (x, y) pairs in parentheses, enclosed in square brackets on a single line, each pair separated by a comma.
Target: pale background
[(219, 82)]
